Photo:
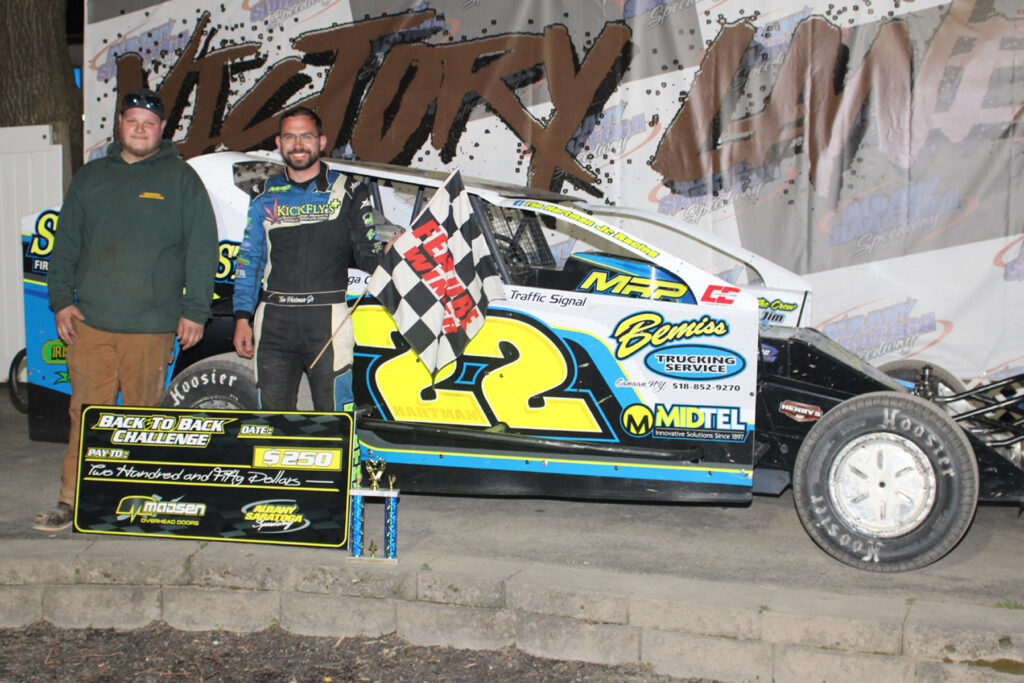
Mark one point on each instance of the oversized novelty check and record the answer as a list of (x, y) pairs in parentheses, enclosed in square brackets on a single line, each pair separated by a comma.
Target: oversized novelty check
[(224, 475)]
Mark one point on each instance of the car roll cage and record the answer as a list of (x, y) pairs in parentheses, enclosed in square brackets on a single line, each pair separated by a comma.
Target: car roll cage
[(996, 412)]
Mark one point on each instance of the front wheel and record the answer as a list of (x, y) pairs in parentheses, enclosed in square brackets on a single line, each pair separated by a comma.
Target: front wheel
[(886, 482), (17, 382)]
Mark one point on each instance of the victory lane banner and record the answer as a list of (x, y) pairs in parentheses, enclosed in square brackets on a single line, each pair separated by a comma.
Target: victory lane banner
[(222, 475)]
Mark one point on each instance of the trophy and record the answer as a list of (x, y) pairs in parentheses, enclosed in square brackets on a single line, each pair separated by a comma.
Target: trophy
[(374, 470)]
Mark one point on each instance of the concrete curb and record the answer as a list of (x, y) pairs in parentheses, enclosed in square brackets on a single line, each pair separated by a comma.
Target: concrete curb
[(680, 627)]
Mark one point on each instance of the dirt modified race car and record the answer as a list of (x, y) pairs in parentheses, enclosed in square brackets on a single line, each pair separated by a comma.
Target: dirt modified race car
[(632, 358)]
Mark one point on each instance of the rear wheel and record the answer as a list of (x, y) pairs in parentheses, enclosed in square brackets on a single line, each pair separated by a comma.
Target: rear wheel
[(886, 482), (910, 371), (17, 381), (213, 383)]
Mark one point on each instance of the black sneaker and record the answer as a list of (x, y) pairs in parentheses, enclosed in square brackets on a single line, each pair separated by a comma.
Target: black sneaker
[(56, 519)]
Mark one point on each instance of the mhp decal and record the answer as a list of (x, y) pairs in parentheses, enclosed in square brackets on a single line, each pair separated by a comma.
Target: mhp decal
[(695, 362)]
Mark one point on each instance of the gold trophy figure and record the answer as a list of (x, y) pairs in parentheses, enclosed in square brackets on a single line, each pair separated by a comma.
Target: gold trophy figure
[(374, 468)]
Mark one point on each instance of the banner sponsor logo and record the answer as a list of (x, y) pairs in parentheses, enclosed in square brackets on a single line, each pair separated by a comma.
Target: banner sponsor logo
[(609, 133), (890, 329), (149, 44), (1011, 260), (275, 12), (695, 362), (880, 217)]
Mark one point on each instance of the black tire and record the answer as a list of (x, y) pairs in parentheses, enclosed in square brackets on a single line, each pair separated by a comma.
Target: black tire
[(886, 440), (213, 383), (17, 382), (910, 371)]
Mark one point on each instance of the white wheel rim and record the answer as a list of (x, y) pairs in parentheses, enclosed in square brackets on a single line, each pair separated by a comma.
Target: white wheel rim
[(882, 485)]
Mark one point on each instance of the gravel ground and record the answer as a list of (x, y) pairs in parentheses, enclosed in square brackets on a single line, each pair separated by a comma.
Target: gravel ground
[(42, 652)]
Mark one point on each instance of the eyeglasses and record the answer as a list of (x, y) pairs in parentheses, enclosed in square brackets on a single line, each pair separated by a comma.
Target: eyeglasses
[(153, 104), (305, 137)]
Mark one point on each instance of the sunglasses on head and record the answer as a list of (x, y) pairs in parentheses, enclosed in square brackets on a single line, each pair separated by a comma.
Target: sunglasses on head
[(145, 101)]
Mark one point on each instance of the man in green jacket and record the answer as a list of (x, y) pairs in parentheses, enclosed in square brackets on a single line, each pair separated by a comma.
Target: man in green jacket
[(132, 267)]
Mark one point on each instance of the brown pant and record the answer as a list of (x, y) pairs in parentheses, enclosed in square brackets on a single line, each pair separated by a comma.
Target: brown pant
[(98, 363)]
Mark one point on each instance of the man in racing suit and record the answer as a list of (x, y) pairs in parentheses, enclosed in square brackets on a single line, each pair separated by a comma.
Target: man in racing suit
[(305, 227)]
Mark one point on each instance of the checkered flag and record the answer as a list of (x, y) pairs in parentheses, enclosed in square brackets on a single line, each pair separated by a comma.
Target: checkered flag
[(438, 277)]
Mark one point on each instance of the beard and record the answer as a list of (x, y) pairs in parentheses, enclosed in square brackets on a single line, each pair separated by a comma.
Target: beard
[(140, 149), (290, 162)]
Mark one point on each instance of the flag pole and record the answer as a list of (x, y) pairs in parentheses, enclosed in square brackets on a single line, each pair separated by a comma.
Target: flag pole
[(348, 314)]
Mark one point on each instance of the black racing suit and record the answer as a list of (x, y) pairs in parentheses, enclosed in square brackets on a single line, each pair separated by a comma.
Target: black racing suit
[(299, 241)]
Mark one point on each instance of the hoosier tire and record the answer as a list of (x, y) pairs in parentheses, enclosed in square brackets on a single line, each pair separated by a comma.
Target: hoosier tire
[(886, 482), (213, 384)]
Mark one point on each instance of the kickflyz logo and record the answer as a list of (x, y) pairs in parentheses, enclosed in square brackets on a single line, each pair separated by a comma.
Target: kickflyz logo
[(278, 516), (153, 510), (287, 213)]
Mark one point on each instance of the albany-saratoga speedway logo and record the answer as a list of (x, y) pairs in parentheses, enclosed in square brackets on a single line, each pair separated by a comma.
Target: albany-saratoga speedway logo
[(277, 516), (1010, 259), (887, 330)]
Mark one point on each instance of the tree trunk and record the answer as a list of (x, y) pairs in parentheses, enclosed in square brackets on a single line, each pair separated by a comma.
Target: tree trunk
[(37, 84)]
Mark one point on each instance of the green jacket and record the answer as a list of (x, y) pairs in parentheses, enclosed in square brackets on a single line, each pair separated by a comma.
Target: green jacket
[(130, 238)]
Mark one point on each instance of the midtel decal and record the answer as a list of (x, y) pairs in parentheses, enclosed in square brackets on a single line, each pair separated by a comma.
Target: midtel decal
[(709, 423), (695, 362), (635, 332)]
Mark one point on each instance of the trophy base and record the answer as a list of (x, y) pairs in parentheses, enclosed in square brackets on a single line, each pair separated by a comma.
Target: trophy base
[(373, 560)]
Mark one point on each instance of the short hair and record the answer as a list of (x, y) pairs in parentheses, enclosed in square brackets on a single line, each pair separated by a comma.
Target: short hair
[(301, 111)]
